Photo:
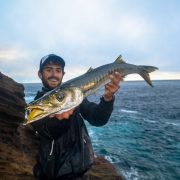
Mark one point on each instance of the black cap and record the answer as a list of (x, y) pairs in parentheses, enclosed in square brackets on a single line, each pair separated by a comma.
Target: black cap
[(53, 58)]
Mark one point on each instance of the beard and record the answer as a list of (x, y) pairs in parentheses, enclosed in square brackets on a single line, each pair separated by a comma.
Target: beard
[(47, 84)]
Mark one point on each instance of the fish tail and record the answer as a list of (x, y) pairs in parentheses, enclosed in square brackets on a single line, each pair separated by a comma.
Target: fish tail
[(144, 72)]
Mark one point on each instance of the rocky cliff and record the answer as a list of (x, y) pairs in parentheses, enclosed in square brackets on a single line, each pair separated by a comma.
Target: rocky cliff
[(18, 144)]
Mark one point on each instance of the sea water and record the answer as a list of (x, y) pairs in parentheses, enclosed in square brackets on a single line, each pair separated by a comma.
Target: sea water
[(142, 137)]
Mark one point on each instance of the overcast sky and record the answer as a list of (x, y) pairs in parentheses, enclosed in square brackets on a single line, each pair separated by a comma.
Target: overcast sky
[(89, 33)]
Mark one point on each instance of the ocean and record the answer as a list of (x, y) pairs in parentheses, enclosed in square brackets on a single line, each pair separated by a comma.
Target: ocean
[(142, 137)]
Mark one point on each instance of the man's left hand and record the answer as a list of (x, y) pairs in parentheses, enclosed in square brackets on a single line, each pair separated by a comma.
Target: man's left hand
[(112, 87), (63, 116)]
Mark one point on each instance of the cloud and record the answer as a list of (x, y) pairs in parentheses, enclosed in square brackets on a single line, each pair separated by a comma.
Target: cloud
[(89, 33), (78, 23), (17, 64), (72, 72), (25, 75), (159, 75), (9, 55), (166, 75)]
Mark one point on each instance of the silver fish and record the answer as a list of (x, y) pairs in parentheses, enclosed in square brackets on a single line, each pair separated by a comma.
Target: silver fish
[(71, 93)]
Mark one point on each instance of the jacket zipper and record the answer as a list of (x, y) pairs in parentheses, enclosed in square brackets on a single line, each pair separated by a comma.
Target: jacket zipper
[(52, 147)]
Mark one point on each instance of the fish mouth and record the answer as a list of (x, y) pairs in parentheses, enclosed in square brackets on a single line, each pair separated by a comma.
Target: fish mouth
[(34, 113), (56, 103)]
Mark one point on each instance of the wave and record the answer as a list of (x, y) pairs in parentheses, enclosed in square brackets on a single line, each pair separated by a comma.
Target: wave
[(174, 124), (131, 174), (149, 121), (108, 158), (129, 111)]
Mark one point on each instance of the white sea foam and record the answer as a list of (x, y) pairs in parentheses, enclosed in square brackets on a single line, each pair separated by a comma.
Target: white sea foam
[(132, 174), (174, 124), (149, 121), (108, 158), (129, 111)]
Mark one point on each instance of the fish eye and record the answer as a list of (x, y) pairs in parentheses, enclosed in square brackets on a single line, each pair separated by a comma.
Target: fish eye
[(60, 97)]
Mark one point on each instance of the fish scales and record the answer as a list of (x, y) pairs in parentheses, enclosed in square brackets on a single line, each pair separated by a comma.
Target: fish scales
[(93, 79)]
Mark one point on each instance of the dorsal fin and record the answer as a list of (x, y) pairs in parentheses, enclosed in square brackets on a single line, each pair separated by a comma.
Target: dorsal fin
[(89, 70), (119, 60)]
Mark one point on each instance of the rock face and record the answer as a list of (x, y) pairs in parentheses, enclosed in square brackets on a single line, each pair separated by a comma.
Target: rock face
[(102, 169), (19, 145)]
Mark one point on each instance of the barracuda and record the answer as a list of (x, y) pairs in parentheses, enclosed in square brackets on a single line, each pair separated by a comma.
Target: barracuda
[(71, 93)]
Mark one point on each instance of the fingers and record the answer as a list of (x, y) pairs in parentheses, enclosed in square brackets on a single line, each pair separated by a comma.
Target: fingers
[(111, 87), (52, 115), (64, 115), (115, 78), (114, 84)]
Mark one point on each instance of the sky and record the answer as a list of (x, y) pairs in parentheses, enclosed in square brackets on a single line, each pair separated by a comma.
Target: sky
[(89, 33)]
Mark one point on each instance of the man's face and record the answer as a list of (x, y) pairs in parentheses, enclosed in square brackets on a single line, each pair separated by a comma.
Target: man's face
[(51, 75)]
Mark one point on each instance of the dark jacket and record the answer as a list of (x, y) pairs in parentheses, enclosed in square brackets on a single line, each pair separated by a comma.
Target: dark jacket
[(65, 146)]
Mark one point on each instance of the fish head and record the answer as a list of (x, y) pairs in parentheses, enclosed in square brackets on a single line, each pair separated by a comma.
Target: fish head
[(56, 102)]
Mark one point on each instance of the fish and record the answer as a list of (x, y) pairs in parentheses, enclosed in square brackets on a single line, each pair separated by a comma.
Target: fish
[(70, 94)]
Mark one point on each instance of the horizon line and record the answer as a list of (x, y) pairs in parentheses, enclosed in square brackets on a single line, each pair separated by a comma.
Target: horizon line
[(122, 81)]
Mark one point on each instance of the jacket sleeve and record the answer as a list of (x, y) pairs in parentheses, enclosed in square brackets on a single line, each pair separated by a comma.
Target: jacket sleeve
[(97, 114)]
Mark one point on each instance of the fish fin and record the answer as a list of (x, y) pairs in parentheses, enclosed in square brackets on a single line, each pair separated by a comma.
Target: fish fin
[(144, 73), (119, 60), (89, 70)]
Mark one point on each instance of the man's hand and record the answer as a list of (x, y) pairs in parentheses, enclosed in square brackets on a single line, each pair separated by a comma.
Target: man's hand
[(64, 115), (112, 87)]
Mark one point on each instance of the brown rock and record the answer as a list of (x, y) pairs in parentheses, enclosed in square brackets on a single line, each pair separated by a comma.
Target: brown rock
[(11, 98), (102, 169), (19, 145)]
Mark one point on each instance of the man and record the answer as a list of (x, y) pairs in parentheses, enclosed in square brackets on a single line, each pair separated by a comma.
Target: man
[(65, 148)]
